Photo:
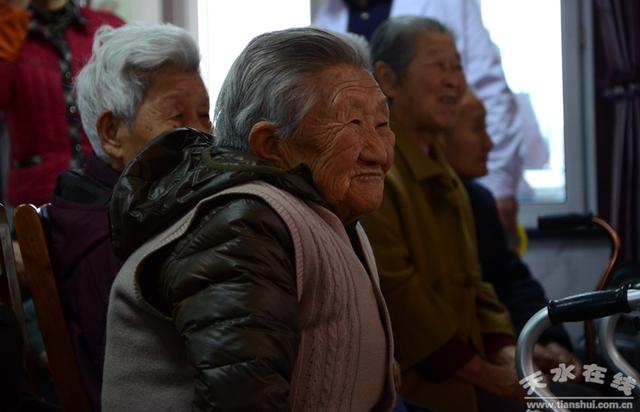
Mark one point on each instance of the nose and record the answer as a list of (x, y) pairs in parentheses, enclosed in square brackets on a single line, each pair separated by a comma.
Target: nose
[(487, 143), (454, 77), (378, 148)]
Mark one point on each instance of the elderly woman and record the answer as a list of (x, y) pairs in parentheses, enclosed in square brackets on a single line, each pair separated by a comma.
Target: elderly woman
[(249, 284), (466, 147), (454, 338), (142, 80)]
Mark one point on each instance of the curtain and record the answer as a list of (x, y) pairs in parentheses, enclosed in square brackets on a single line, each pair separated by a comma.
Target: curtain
[(617, 50)]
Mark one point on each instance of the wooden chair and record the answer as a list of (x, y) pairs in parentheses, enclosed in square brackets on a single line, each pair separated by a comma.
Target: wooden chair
[(71, 393), (9, 283), (10, 294)]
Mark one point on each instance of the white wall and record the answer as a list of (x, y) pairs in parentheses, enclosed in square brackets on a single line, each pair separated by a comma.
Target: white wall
[(132, 10), (568, 267), (147, 10)]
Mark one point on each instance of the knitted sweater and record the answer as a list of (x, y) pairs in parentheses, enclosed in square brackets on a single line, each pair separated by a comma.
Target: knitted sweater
[(345, 348)]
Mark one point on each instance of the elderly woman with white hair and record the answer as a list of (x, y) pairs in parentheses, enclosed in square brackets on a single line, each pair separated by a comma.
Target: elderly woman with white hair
[(142, 80), (249, 284)]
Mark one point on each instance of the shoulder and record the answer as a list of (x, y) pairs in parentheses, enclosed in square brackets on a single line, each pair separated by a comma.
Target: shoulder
[(479, 193), (231, 240), (483, 204), (237, 221)]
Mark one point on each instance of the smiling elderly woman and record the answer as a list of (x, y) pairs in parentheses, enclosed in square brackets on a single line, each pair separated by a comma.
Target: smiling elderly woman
[(454, 338), (249, 284)]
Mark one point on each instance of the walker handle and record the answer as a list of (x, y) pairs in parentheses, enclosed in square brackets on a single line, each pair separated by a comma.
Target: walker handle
[(566, 221), (590, 305)]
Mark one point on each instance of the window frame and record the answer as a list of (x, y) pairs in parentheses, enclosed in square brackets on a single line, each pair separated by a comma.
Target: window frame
[(579, 109), (579, 124)]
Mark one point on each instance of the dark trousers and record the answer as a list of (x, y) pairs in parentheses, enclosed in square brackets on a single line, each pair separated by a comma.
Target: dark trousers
[(15, 393)]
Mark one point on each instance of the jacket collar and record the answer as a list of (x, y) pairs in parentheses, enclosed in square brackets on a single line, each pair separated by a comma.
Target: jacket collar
[(101, 171), (422, 167), (49, 21), (298, 180)]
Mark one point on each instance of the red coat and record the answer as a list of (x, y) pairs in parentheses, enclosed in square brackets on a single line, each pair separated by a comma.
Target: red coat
[(32, 99)]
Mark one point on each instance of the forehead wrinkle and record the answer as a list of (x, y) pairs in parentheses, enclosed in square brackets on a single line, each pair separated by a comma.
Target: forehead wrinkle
[(437, 51), (167, 104), (359, 89)]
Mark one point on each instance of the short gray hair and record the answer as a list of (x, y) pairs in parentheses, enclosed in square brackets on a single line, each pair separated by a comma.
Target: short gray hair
[(271, 80), (394, 41), (123, 63)]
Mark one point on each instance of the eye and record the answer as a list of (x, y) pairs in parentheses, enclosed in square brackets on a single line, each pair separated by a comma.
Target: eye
[(381, 125), (440, 64), (356, 121)]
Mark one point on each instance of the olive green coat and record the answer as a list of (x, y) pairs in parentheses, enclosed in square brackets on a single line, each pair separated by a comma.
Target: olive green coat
[(424, 241)]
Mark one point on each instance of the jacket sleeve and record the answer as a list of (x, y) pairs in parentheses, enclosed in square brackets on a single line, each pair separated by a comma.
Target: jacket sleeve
[(483, 69), (13, 31), (493, 316), (7, 76), (422, 321), (230, 287), (520, 292), (14, 24)]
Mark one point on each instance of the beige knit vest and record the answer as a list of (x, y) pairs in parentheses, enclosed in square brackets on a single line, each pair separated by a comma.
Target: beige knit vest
[(345, 343)]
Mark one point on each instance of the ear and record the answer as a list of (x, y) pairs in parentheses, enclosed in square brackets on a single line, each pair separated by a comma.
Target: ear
[(110, 129), (386, 78), (264, 141)]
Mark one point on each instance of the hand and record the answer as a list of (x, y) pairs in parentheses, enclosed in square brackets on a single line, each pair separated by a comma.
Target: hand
[(505, 356), (500, 381), (508, 212), (550, 355)]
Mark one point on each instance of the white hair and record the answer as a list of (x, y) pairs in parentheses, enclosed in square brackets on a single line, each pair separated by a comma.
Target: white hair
[(123, 63), (358, 42), (272, 80)]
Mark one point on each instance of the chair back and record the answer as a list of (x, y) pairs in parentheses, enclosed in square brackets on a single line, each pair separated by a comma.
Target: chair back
[(9, 283), (71, 393)]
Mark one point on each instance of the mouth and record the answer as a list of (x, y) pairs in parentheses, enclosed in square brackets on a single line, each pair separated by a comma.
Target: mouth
[(449, 100), (370, 176)]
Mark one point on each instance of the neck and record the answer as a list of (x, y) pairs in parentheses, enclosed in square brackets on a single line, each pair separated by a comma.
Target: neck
[(423, 137), (117, 164), (49, 5)]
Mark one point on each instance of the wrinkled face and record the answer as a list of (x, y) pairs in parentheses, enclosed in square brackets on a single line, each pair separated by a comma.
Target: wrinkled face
[(346, 141), (173, 99), (468, 145), (430, 91)]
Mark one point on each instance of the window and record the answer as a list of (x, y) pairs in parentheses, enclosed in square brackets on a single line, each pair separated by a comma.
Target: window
[(543, 56), (225, 28), (546, 61)]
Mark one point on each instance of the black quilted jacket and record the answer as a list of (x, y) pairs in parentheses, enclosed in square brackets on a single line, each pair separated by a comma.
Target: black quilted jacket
[(229, 284)]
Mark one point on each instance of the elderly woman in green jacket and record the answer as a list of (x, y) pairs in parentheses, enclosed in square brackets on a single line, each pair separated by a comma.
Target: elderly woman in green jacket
[(454, 338)]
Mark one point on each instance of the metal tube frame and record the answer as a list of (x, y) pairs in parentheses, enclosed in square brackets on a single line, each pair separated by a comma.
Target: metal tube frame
[(540, 322)]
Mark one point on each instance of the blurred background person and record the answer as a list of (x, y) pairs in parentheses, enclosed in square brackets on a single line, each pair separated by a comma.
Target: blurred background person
[(466, 148), (141, 81), (454, 339), (43, 49), (483, 70)]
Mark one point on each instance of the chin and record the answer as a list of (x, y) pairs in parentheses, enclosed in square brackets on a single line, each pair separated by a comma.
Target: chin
[(371, 207), (359, 210)]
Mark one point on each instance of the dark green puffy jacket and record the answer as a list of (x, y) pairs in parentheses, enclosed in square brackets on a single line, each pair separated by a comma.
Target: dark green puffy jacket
[(229, 284)]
